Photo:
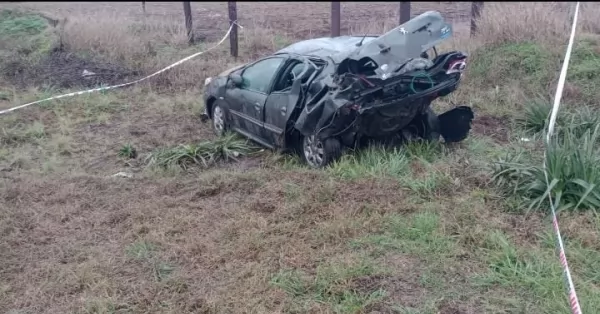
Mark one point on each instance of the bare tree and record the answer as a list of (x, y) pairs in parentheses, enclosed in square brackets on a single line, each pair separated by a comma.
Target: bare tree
[(404, 12), (144, 7), (187, 11), (476, 8), (233, 37), (335, 18)]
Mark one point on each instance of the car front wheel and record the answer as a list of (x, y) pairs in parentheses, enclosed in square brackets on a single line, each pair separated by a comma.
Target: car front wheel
[(317, 153), (218, 119)]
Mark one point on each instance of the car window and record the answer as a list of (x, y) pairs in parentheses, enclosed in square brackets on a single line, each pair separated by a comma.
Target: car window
[(291, 74), (288, 76), (258, 76), (297, 70)]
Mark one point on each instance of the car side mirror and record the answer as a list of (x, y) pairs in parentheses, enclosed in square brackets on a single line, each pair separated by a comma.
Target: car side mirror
[(236, 79)]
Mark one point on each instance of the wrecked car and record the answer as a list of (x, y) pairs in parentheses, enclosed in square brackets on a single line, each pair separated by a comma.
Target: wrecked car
[(320, 96)]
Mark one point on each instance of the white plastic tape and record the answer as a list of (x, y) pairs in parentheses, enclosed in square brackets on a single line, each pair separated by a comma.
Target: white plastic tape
[(562, 255), (125, 84)]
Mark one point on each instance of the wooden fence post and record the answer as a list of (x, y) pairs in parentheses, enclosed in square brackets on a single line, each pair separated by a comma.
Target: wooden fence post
[(404, 12), (476, 8), (233, 36), (335, 18), (187, 11)]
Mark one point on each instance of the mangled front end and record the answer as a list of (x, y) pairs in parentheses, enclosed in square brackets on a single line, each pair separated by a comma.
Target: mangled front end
[(386, 86)]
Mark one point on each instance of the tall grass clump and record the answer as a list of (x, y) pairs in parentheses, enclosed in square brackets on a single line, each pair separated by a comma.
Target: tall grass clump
[(573, 166), (574, 122), (225, 148), (534, 118), (581, 121)]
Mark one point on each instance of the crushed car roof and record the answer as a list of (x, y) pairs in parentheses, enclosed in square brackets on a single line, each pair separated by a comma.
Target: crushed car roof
[(398, 45), (326, 46)]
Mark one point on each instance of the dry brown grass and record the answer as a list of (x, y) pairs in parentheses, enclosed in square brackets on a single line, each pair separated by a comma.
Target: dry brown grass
[(121, 33), (537, 21), (75, 240), (150, 45)]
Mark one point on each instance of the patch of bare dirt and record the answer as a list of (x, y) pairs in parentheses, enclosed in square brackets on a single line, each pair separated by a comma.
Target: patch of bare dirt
[(494, 127), (64, 70), (583, 227), (450, 307), (526, 230), (403, 287)]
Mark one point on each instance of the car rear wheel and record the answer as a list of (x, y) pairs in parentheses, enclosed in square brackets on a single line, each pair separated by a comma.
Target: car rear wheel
[(425, 126), (218, 119), (317, 153)]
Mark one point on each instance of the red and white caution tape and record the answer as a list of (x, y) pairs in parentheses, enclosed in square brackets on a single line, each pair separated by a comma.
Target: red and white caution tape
[(125, 84), (573, 301)]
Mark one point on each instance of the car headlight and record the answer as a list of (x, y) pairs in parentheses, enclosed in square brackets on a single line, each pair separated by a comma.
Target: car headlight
[(207, 81)]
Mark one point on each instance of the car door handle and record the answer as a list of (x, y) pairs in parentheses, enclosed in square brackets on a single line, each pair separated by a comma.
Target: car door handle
[(257, 106)]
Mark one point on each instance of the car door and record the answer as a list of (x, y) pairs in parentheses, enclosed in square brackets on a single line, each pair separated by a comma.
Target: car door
[(247, 102), (283, 99)]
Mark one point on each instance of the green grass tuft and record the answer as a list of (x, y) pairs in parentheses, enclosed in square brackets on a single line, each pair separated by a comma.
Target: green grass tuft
[(128, 151), (141, 250), (534, 274), (584, 73), (225, 148), (534, 119), (16, 24), (419, 235), (576, 121), (371, 162)]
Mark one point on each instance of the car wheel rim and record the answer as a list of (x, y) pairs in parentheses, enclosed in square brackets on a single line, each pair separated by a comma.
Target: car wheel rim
[(218, 121), (313, 151)]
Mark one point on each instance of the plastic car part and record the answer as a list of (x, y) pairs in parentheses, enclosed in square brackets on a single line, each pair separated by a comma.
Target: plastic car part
[(455, 124)]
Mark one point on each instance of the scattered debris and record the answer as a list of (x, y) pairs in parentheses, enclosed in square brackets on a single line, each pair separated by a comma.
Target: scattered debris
[(123, 175), (64, 70), (87, 73)]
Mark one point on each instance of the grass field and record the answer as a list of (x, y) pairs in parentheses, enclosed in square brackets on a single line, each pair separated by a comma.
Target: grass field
[(418, 229)]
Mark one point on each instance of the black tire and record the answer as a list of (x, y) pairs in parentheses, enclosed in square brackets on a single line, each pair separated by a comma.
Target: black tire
[(218, 119), (331, 151)]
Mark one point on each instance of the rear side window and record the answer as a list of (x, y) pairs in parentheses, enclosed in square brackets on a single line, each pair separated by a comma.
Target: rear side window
[(258, 77)]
